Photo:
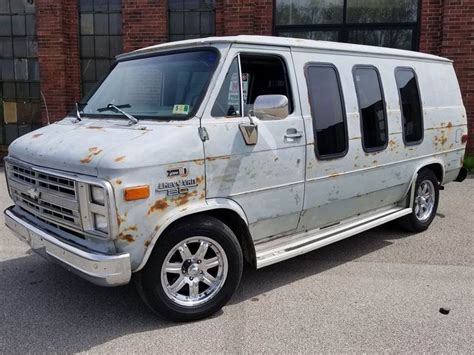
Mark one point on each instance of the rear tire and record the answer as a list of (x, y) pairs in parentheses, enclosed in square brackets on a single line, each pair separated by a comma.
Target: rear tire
[(425, 202), (193, 270)]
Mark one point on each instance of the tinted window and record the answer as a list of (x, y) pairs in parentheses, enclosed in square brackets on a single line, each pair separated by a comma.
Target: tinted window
[(329, 125), (410, 105), (372, 108), (228, 101)]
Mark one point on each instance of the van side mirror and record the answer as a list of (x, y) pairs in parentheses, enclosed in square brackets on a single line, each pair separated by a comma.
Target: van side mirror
[(271, 107)]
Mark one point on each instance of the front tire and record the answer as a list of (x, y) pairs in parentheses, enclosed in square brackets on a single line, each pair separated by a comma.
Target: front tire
[(193, 270), (425, 202)]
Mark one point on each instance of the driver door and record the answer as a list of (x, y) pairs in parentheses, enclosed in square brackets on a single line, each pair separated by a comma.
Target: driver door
[(266, 179)]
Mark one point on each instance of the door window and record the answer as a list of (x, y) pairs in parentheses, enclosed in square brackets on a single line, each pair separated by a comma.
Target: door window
[(327, 110), (263, 75), (372, 108)]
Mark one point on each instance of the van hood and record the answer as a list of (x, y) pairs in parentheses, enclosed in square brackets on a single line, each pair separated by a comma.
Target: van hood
[(85, 146)]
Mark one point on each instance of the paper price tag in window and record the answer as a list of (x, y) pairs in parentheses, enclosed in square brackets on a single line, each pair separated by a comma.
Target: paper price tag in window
[(180, 109)]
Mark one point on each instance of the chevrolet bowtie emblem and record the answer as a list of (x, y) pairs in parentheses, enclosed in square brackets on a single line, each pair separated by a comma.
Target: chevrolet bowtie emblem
[(33, 193)]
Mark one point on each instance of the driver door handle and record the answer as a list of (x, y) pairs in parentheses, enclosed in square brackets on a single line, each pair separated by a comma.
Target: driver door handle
[(293, 133)]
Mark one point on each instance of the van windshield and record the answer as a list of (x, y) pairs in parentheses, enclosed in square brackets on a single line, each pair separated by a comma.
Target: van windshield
[(168, 86)]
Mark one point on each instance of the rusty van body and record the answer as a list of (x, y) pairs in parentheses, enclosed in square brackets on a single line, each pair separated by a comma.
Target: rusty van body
[(279, 145)]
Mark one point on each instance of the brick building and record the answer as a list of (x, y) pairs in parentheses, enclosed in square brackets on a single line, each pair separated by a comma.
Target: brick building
[(53, 51)]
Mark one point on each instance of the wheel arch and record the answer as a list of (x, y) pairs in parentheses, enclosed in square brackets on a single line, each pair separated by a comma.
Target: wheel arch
[(226, 210)]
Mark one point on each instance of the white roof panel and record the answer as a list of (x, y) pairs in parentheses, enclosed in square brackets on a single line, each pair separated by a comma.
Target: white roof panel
[(290, 42)]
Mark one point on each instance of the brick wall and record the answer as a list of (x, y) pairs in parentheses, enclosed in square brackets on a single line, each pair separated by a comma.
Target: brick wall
[(447, 29), (234, 17), (145, 22), (58, 55)]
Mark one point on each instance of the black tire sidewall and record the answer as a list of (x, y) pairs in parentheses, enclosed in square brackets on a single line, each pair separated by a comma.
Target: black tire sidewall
[(150, 278)]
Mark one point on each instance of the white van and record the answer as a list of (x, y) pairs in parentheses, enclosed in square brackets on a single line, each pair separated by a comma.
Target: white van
[(191, 156)]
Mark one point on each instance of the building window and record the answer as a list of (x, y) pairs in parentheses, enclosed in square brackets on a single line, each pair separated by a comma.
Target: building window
[(327, 110), (385, 23), (410, 103), (20, 103), (372, 108), (191, 19), (101, 38)]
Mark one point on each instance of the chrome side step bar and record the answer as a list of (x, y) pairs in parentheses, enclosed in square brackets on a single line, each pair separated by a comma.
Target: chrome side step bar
[(275, 250)]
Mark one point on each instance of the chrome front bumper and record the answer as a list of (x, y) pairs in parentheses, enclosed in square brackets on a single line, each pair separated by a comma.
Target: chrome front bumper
[(100, 269)]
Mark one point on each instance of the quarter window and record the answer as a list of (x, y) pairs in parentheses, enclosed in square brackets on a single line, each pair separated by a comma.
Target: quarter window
[(410, 105), (327, 110), (372, 108), (229, 102)]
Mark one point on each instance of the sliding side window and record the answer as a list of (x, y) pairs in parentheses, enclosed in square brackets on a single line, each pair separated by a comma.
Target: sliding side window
[(327, 111), (372, 108), (410, 105)]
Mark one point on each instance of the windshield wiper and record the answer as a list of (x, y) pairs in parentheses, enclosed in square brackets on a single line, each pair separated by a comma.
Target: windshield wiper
[(118, 108)]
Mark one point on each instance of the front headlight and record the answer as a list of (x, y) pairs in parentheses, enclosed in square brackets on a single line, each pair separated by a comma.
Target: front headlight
[(101, 223), (98, 195)]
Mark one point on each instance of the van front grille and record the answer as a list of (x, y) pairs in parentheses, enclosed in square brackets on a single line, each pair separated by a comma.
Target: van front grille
[(47, 196)]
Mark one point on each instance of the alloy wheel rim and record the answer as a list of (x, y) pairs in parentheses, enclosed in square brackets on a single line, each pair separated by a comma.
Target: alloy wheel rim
[(194, 271), (424, 200)]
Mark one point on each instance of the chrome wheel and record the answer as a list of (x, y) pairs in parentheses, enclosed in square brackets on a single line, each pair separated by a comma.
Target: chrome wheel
[(194, 271), (424, 200)]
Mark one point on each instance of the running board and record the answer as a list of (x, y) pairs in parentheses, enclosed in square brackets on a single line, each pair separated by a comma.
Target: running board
[(275, 250)]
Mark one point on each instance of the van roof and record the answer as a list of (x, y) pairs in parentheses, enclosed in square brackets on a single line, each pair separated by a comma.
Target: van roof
[(324, 46)]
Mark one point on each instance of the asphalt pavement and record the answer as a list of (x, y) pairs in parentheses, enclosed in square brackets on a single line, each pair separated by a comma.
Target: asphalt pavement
[(379, 291)]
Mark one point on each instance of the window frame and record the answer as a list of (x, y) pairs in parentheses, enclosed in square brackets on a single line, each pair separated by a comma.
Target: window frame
[(402, 116), (343, 28), (343, 104), (375, 149)]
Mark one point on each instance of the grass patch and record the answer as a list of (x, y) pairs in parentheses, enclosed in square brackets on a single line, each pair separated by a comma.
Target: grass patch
[(469, 162)]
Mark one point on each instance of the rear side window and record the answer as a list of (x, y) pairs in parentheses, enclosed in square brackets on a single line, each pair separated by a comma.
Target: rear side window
[(327, 110), (410, 105), (372, 108)]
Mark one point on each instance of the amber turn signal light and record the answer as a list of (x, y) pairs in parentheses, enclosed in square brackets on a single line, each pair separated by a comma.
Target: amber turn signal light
[(136, 193)]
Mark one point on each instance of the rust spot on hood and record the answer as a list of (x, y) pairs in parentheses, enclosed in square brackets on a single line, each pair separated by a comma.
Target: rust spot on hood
[(200, 179), (159, 205), (36, 135), (92, 152), (449, 125), (120, 158), (118, 182), (198, 161), (95, 127)]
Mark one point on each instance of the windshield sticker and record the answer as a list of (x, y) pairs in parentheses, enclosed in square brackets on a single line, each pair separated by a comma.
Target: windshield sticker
[(180, 109)]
